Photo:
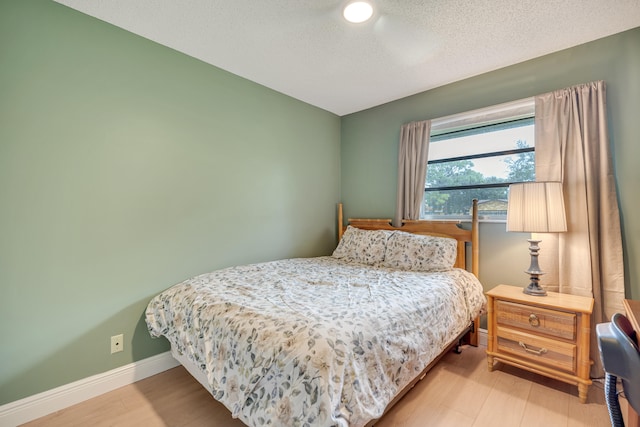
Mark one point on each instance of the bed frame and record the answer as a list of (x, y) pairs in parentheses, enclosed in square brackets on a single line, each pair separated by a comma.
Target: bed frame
[(450, 229), (438, 228)]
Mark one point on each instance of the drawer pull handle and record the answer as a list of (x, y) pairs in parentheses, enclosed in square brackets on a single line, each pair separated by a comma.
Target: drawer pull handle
[(534, 320), (538, 352)]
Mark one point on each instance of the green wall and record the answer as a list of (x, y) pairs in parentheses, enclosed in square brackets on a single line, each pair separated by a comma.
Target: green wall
[(126, 167), (370, 142)]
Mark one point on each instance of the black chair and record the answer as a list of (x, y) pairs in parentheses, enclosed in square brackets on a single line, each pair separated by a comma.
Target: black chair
[(618, 345)]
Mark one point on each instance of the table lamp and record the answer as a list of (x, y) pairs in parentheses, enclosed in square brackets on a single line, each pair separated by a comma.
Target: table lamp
[(536, 207)]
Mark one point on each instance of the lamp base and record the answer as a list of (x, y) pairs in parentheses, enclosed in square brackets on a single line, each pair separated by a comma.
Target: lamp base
[(534, 271), (534, 289)]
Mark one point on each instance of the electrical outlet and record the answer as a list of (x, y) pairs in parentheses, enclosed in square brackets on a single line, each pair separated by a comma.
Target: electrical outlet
[(117, 343)]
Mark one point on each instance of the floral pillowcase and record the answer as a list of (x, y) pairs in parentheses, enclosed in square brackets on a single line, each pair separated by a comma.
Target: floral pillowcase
[(362, 246), (406, 251), (397, 249)]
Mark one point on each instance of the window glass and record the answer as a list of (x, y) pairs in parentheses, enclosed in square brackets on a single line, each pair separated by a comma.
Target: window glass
[(478, 162), (480, 140)]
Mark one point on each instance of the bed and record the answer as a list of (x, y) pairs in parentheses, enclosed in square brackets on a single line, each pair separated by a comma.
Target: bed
[(333, 340)]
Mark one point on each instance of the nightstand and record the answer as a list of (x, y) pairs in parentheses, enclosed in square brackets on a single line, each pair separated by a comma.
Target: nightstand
[(548, 335)]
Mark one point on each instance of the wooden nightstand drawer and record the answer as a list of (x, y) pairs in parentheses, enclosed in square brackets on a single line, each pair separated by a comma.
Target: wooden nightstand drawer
[(535, 319), (548, 335), (538, 349)]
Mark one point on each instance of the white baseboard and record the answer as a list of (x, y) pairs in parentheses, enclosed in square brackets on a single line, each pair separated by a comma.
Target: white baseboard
[(482, 337), (41, 404)]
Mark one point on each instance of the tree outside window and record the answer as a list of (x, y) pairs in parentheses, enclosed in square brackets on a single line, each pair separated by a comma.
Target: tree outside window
[(484, 174)]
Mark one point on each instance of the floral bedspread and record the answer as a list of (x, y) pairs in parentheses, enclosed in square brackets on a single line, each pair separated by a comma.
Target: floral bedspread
[(313, 341)]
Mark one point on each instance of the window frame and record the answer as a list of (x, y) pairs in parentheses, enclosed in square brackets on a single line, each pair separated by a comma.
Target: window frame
[(511, 114)]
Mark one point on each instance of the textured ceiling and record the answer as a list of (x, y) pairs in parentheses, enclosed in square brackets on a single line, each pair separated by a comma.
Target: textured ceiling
[(305, 49)]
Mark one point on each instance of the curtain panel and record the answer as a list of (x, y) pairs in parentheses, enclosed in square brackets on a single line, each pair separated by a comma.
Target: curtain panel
[(413, 154), (572, 146)]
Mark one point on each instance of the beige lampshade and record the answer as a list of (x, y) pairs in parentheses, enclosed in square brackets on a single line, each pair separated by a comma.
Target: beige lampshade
[(536, 207)]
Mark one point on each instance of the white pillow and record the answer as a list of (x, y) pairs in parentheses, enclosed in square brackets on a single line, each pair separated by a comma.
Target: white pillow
[(406, 251), (362, 246)]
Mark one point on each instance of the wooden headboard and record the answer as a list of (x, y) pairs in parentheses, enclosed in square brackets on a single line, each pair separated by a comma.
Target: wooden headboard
[(450, 229)]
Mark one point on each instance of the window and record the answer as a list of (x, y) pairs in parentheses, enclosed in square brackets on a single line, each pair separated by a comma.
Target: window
[(477, 155)]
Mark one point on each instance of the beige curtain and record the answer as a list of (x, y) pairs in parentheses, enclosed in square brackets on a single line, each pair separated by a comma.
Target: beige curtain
[(572, 146), (413, 153)]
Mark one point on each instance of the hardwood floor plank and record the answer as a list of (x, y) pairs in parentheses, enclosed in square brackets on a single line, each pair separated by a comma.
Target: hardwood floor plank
[(506, 401), (546, 407), (592, 413), (471, 384), (458, 392)]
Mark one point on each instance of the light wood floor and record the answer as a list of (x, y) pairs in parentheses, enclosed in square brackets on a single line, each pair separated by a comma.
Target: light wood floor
[(458, 392)]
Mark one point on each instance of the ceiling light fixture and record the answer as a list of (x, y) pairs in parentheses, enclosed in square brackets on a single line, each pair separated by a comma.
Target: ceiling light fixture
[(358, 12)]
